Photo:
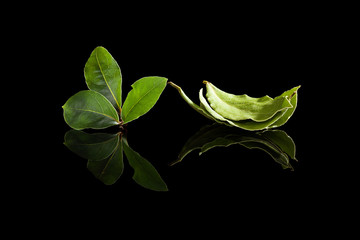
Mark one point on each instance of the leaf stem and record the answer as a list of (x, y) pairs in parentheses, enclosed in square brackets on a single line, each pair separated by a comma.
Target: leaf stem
[(173, 85), (120, 115)]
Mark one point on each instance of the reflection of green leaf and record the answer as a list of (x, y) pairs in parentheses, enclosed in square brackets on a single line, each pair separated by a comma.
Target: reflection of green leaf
[(276, 143), (104, 152), (110, 169), (102, 74), (89, 109), (144, 173), (145, 93), (94, 147)]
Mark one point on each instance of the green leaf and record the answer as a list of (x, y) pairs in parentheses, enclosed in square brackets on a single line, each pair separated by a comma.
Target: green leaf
[(89, 109), (145, 93), (94, 147), (110, 169), (103, 75), (144, 172)]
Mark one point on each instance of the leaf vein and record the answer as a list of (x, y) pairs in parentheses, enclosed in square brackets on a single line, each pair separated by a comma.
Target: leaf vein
[(88, 110), (107, 84), (154, 86), (108, 162)]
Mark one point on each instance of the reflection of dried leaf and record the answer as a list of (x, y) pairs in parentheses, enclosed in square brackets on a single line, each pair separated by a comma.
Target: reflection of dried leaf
[(274, 142)]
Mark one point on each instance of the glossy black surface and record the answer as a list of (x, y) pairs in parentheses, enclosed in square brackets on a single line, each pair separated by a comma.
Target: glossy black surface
[(160, 134), (255, 56)]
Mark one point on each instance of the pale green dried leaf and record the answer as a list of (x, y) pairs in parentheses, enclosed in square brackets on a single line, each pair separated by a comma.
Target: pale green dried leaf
[(243, 107), (257, 113)]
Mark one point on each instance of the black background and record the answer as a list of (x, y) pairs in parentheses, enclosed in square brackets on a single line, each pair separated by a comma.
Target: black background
[(240, 50)]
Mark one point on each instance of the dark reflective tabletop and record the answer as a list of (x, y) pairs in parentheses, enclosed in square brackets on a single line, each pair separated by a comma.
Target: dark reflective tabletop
[(105, 151), (173, 171)]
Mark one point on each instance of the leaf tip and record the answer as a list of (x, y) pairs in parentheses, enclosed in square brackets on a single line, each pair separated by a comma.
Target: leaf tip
[(297, 88), (99, 47), (205, 82), (295, 92)]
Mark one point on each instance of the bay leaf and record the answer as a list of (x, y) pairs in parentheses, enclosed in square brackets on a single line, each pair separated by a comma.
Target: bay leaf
[(257, 113), (89, 109), (103, 75), (245, 124), (293, 97), (143, 96), (193, 105), (243, 107)]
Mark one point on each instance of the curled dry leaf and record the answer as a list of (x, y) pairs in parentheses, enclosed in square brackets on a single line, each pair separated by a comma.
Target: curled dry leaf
[(243, 111)]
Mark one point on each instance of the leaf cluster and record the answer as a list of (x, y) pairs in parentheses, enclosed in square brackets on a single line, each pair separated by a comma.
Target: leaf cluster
[(101, 106)]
